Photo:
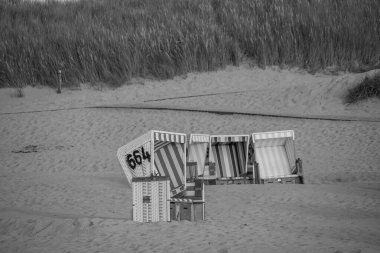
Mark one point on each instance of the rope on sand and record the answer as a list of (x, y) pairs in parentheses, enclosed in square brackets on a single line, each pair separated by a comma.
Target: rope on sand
[(200, 95), (47, 110), (226, 111)]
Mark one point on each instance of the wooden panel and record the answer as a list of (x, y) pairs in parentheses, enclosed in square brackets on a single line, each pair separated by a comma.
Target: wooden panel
[(282, 180), (187, 211), (199, 211)]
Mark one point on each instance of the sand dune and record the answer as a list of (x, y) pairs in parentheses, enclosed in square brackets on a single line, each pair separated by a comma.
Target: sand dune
[(270, 90), (63, 190)]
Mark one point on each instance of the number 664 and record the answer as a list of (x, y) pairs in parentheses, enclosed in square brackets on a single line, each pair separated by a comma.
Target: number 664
[(135, 158)]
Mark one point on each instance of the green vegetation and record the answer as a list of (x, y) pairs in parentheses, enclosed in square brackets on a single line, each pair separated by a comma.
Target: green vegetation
[(113, 40), (369, 87)]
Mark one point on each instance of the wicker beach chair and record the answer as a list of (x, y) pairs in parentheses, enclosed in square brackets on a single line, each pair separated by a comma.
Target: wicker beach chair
[(198, 145), (230, 155), (275, 157), (159, 153)]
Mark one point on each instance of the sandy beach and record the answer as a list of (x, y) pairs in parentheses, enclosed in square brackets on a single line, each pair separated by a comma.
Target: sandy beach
[(63, 190)]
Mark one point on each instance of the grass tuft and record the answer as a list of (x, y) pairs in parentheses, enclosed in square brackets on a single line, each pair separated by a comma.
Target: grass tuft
[(19, 92), (369, 87), (111, 41)]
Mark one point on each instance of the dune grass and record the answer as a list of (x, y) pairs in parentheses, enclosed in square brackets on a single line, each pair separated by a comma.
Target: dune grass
[(369, 87), (112, 41)]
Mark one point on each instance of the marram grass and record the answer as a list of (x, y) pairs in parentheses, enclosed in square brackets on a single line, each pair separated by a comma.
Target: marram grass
[(369, 87), (112, 41)]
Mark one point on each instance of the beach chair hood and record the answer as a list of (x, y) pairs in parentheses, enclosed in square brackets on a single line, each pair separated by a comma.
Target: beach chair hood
[(159, 153)]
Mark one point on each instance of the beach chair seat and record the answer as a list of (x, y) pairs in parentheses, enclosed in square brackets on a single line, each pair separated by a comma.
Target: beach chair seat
[(191, 171), (234, 180), (290, 179), (197, 152), (209, 177)]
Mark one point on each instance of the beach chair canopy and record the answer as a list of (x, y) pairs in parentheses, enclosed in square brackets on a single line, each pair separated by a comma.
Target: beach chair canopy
[(197, 150), (275, 153), (229, 152), (159, 153)]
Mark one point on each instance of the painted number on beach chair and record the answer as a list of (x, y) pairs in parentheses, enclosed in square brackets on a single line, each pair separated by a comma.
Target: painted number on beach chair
[(135, 158), (145, 155)]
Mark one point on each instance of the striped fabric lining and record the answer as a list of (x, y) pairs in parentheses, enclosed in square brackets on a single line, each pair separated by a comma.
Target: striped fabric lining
[(197, 153), (270, 142), (229, 138), (271, 135), (273, 162), (194, 190), (230, 158), (290, 153), (275, 153), (160, 144), (168, 161), (169, 137), (181, 200), (199, 138)]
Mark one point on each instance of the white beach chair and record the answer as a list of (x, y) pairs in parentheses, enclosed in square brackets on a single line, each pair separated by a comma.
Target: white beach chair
[(275, 157), (159, 153)]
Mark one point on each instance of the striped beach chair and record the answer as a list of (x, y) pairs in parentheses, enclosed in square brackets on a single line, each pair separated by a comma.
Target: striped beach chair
[(198, 145), (275, 157), (156, 153), (230, 155)]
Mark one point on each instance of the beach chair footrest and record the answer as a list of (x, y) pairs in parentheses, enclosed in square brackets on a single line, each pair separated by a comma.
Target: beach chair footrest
[(282, 180), (225, 181), (210, 181), (191, 211)]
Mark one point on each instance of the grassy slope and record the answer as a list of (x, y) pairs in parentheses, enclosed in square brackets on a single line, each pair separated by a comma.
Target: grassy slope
[(369, 87), (114, 40)]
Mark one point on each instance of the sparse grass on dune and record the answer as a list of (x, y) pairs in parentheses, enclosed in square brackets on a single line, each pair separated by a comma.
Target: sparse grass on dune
[(113, 40), (369, 87)]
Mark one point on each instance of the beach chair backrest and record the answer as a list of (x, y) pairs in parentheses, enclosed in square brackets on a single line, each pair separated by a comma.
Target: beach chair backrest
[(170, 158), (197, 150), (275, 153), (230, 153)]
